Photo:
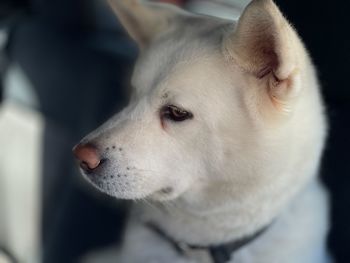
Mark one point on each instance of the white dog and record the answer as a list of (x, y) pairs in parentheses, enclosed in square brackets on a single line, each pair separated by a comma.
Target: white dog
[(223, 137)]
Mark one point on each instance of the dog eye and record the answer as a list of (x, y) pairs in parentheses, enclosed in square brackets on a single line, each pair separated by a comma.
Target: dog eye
[(174, 113)]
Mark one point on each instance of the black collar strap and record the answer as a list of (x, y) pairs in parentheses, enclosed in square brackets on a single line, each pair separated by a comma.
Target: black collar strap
[(219, 253)]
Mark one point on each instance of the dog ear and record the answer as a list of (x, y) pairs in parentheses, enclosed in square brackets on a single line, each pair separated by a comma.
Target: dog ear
[(143, 20), (266, 46)]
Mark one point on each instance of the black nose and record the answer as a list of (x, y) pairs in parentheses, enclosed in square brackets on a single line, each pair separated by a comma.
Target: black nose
[(88, 156)]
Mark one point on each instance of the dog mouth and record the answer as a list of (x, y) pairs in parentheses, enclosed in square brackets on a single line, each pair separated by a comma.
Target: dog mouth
[(118, 186), (164, 194)]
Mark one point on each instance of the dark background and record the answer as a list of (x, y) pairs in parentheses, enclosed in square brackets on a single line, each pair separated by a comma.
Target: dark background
[(77, 59), (324, 27)]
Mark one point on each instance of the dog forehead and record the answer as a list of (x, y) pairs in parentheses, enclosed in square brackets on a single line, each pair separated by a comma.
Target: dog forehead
[(188, 42)]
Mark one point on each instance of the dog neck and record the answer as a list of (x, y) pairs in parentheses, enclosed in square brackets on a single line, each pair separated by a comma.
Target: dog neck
[(223, 221), (224, 225), (185, 224)]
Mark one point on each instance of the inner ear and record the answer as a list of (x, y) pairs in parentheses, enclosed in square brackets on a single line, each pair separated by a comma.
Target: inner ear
[(265, 46), (262, 41), (268, 62)]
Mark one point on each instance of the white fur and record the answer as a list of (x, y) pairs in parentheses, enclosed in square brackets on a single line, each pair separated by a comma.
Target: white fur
[(248, 158)]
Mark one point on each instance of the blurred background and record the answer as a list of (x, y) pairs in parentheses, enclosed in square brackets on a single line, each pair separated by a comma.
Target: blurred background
[(64, 69)]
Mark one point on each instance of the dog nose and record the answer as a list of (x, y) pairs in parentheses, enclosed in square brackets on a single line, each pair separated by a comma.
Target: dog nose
[(87, 155)]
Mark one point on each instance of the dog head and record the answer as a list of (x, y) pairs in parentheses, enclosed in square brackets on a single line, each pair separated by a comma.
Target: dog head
[(219, 108)]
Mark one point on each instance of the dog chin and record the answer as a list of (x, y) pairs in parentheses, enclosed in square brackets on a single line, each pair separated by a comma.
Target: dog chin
[(118, 192), (127, 192), (160, 195)]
